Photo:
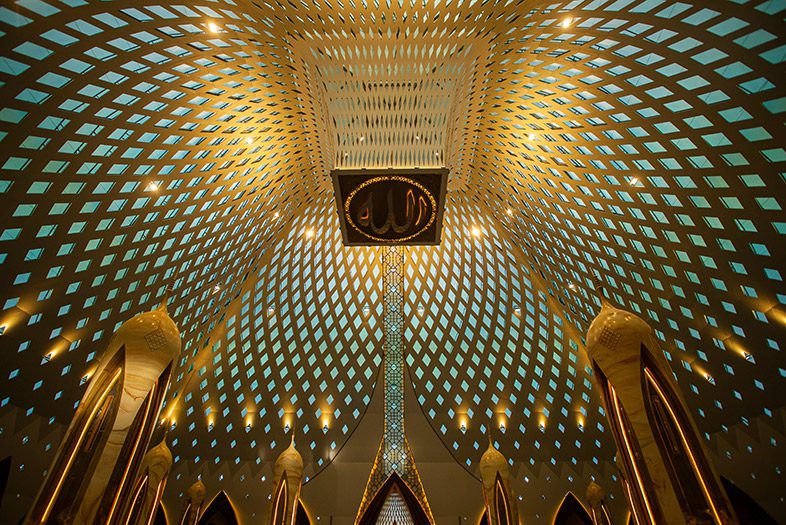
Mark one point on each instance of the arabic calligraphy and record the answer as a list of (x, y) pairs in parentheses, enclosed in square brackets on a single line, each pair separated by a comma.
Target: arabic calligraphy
[(390, 209)]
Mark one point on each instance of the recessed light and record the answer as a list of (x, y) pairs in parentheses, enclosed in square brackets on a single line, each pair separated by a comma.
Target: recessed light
[(213, 27), (566, 23)]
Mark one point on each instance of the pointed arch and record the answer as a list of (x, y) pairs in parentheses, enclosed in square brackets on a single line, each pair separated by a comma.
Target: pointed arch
[(160, 518), (501, 503), (278, 514), (5, 472), (132, 453), (698, 491), (219, 512), (301, 516), (392, 484), (572, 512), (82, 444), (748, 511)]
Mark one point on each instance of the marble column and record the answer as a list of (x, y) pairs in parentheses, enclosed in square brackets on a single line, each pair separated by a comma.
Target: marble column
[(596, 497), (498, 495), (100, 454), (668, 476), (287, 480), (149, 487), (195, 498)]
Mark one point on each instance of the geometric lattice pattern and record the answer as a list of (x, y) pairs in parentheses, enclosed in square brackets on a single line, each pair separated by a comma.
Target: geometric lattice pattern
[(145, 145), (394, 455)]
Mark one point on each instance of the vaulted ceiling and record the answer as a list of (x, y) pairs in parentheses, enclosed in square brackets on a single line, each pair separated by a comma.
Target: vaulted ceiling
[(639, 144)]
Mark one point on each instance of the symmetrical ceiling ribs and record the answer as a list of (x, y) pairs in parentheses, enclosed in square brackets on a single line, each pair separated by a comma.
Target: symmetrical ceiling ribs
[(147, 145)]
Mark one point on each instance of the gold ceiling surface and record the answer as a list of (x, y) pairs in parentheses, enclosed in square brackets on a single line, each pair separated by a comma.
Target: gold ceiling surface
[(641, 143)]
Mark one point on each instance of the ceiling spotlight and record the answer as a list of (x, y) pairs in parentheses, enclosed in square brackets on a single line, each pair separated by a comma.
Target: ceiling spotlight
[(216, 289), (286, 428), (509, 211), (213, 27), (276, 215), (463, 427), (210, 426), (366, 310), (417, 137), (362, 138), (634, 181), (152, 186), (437, 154), (249, 140), (421, 310), (325, 427), (270, 310), (572, 286), (248, 426), (566, 23), (475, 231), (542, 427), (531, 136), (502, 427), (517, 310), (309, 233)]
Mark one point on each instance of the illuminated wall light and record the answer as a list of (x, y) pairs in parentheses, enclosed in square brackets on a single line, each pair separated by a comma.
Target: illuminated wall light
[(421, 310), (3, 329), (517, 309), (212, 27), (325, 425), (531, 136), (572, 287), (366, 310), (567, 22), (417, 137), (463, 427), (270, 310), (509, 211), (216, 289), (475, 231), (748, 356), (276, 215), (310, 233), (210, 425), (634, 181), (152, 186), (502, 427), (362, 138)]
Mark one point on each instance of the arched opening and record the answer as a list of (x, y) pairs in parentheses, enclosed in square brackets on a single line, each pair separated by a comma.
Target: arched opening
[(219, 512), (636, 483), (301, 516), (572, 512), (82, 446), (278, 516), (394, 502), (694, 484), (501, 504), (133, 451), (748, 511), (160, 516), (5, 472)]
